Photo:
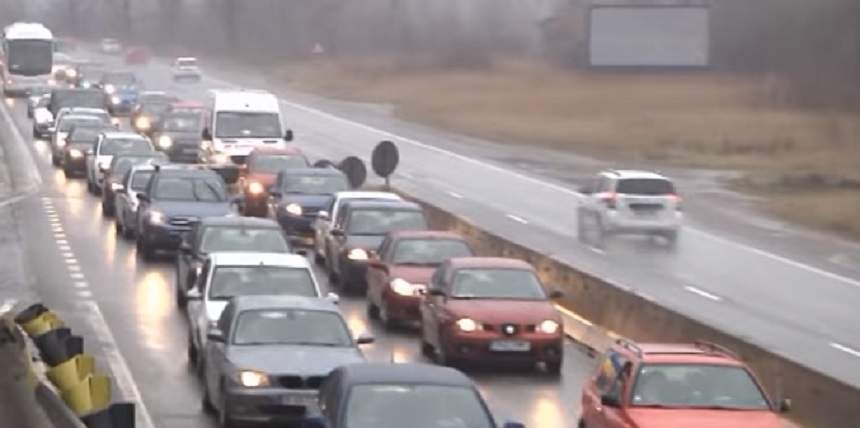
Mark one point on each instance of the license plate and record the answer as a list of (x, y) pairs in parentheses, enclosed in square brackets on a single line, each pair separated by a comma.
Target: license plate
[(299, 400), (510, 346)]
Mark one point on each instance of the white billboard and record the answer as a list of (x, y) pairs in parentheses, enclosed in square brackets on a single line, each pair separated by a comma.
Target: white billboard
[(650, 36)]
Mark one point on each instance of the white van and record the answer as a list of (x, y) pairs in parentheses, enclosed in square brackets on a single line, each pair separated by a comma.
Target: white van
[(241, 122)]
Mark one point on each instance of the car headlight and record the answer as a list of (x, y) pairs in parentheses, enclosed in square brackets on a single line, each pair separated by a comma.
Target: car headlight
[(548, 327), (104, 165), (71, 73), (467, 325), (142, 123), (156, 217), (76, 154), (110, 89), (357, 254), (61, 142), (255, 188), (116, 186), (86, 85), (406, 288), (115, 121), (296, 210), (205, 145), (253, 379), (115, 100), (165, 142)]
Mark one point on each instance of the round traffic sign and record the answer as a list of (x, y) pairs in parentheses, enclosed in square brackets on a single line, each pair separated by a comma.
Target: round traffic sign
[(355, 171), (385, 158)]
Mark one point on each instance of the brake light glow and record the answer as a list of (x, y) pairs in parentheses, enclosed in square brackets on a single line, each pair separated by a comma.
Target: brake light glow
[(677, 200), (611, 200)]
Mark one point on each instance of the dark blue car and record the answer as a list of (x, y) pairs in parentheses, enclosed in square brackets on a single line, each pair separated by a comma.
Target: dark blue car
[(121, 91), (401, 396), (298, 195)]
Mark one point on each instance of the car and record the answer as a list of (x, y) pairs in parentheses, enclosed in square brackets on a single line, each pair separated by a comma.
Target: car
[(137, 55), (177, 197), (120, 91), (297, 196), (397, 276), (492, 311), (148, 110), (65, 124), (73, 98), (219, 234), (125, 216), (63, 68), (111, 46), (676, 385), (629, 202), (389, 395), (228, 275), (261, 169), (89, 75), (186, 68), (39, 98), (267, 356), (323, 224), (114, 174), (79, 141), (108, 145), (177, 133), (88, 111), (358, 229)]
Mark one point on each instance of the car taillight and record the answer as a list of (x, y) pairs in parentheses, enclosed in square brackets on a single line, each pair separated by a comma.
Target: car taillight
[(677, 200), (611, 200)]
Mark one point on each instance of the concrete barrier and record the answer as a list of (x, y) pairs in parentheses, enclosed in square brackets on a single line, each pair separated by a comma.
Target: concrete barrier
[(596, 310)]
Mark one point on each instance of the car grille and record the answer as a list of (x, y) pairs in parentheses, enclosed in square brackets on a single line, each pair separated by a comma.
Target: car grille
[(299, 382), (239, 159), (183, 221), (508, 329)]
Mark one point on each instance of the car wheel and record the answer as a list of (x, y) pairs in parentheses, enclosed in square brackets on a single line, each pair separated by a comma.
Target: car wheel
[(426, 348), (67, 173), (442, 357), (372, 310), (319, 259), (55, 160), (146, 251), (107, 210), (554, 368), (207, 400), (117, 226), (387, 322), (224, 420)]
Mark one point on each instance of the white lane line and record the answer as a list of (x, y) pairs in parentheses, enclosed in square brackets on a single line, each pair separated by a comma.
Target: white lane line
[(516, 219), (121, 373), (86, 294), (455, 195), (703, 293), (73, 268), (406, 175), (68, 255), (76, 275), (64, 248), (845, 349), (71, 260), (62, 242), (59, 235), (597, 250), (81, 284)]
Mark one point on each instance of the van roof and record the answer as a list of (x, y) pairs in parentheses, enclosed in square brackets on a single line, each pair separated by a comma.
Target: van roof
[(245, 100)]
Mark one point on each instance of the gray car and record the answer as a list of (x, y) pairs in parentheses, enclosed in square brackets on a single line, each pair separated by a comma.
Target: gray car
[(268, 355)]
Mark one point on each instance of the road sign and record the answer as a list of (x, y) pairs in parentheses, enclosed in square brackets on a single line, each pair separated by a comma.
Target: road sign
[(355, 171)]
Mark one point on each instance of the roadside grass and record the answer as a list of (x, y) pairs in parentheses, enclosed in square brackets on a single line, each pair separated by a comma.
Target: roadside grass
[(704, 120)]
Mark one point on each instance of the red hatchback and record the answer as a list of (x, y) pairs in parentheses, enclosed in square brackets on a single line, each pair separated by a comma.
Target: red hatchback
[(491, 310), (397, 276), (262, 167), (676, 386)]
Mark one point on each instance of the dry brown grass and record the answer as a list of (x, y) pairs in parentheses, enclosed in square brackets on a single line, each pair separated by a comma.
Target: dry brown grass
[(834, 210), (693, 119)]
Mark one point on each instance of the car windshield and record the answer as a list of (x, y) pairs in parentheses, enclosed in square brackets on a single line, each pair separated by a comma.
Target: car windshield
[(697, 385), (202, 189), (84, 135), (272, 164), (247, 125), (120, 79), (30, 57), (518, 284), (112, 147), (186, 62), (68, 122), (382, 221), (155, 107), (140, 180), (429, 252), (415, 406), (234, 281), (291, 327), (222, 238), (645, 187), (182, 123), (315, 184), (76, 98)]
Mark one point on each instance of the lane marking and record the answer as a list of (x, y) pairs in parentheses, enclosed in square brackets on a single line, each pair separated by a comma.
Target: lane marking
[(455, 195), (64, 248), (597, 250), (68, 255), (81, 284), (703, 293), (86, 294), (62, 242), (845, 349), (71, 260), (59, 235), (121, 372), (73, 268), (406, 175), (516, 219), (76, 275)]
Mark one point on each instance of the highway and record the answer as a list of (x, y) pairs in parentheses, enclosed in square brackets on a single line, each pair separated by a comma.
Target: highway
[(788, 290)]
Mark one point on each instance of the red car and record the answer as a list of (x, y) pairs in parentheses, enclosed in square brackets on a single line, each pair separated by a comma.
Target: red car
[(262, 167), (676, 386), (137, 56), (491, 310), (397, 276)]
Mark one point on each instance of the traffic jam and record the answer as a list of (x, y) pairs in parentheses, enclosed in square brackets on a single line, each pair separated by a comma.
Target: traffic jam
[(224, 190)]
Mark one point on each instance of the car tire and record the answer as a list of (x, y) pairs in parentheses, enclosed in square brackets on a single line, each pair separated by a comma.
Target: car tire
[(554, 368), (224, 420), (117, 226), (319, 259), (68, 173), (181, 299), (387, 322), (442, 357), (107, 210), (372, 310), (206, 402), (145, 251), (55, 160)]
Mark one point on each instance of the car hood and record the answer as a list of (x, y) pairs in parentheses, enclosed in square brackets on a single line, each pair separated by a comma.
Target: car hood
[(308, 201), (192, 209), (366, 242), (497, 311), (413, 274), (659, 418), (293, 359)]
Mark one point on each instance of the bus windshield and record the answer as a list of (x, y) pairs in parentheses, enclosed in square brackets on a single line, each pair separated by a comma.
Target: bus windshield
[(30, 57)]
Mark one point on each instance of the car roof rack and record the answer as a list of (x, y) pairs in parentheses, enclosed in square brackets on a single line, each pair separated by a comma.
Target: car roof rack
[(714, 348), (630, 346)]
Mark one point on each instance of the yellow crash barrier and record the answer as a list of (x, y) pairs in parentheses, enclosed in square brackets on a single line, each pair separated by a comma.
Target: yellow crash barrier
[(91, 395), (72, 372), (42, 324)]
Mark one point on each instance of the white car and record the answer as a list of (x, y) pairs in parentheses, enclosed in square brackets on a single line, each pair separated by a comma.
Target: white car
[(108, 145), (230, 274), (186, 68), (629, 202), (111, 46), (133, 183), (322, 224)]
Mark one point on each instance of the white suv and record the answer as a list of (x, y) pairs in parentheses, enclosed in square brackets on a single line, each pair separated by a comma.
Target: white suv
[(630, 202)]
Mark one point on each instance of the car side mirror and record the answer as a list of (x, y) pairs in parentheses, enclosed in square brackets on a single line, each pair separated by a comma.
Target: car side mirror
[(313, 422), (513, 425), (288, 136), (194, 294), (609, 400), (556, 294), (215, 335), (323, 215), (364, 339), (337, 232), (206, 134), (333, 297), (785, 405)]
